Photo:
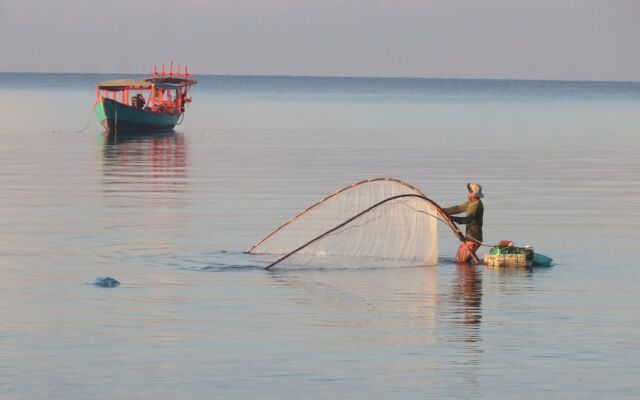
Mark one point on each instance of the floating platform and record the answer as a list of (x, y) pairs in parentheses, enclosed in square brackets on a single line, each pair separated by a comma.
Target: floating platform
[(507, 260), (505, 254)]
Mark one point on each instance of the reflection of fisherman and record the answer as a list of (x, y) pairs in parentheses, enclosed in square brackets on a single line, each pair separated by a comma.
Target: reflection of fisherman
[(138, 101), (469, 289), (473, 220)]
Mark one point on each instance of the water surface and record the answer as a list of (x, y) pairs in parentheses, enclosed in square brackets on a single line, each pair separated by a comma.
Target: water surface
[(170, 215)]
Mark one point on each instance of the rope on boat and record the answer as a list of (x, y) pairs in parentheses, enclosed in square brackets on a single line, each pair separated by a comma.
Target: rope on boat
[(83, 129), (86, 125)]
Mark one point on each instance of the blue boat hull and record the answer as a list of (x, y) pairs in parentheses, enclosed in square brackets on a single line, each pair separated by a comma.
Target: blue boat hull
[(118, 117)]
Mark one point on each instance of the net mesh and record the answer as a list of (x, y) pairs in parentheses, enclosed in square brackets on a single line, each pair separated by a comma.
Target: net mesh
[(379, 218)]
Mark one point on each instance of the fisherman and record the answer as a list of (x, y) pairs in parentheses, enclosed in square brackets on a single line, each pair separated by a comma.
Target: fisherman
[(473, 220), (138, 101)]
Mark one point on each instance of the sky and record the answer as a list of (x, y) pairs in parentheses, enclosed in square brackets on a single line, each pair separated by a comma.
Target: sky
[(502, 39)]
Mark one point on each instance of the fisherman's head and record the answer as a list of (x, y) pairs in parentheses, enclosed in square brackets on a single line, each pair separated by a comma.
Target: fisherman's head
[(475, 191)]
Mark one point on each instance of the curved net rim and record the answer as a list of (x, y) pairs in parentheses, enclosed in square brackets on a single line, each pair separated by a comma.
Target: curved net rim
[(337, 192)]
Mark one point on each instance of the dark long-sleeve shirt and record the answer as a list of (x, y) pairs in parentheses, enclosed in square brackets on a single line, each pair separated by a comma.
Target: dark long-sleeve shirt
[(473, 219)]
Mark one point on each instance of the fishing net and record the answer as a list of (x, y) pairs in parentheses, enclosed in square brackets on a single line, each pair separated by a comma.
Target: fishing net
[(379, 218)]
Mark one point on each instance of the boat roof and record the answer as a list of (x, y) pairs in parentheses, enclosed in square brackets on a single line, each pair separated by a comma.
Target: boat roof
[(163, 83), (171, 83), (167, 85), (122, 84)]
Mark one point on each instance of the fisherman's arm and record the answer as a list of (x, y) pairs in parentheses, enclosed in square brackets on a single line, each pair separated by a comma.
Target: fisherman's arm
[(461, 220), (469, 218), (457, 209)]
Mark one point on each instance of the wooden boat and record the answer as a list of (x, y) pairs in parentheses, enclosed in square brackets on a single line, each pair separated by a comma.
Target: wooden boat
[(160, 110)]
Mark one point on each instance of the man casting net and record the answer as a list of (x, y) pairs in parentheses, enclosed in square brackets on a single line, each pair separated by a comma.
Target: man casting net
[(380, 218)]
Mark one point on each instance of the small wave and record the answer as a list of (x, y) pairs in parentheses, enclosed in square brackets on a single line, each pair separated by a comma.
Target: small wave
[(214, 261), (237, 261), (232, 267)]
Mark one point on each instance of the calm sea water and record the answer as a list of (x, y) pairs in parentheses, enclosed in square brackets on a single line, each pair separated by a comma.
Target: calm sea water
[(169, 216)]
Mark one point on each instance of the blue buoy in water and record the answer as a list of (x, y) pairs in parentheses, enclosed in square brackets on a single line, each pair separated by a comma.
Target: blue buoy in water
[(105, 281)]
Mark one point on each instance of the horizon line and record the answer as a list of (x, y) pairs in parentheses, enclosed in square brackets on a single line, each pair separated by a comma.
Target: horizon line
[(334, 76)]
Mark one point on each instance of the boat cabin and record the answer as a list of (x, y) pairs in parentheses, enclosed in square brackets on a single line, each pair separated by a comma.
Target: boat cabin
[(162, 93), (134, 105)]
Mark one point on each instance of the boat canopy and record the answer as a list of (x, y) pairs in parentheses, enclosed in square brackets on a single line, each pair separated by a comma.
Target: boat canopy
[(123, 84), (172, 86), (171, 83)]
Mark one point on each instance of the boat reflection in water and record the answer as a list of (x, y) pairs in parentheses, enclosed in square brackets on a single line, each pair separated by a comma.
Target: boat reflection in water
[(144, 184), (144, 171)]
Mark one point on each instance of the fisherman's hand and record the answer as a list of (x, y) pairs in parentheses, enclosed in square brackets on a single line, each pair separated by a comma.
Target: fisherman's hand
[(457, 220)]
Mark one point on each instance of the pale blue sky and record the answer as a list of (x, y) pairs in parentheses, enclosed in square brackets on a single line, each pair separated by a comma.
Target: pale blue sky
[(541, 39)]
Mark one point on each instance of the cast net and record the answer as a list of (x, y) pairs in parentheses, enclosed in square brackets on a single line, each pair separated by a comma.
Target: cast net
[(380, 218)]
